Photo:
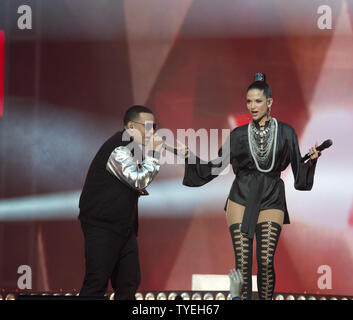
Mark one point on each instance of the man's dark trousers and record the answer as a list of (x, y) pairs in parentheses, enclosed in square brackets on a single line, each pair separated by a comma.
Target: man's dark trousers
[(110, 255)]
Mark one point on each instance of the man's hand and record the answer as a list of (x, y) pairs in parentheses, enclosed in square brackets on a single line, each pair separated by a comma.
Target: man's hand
[(236, 282), (156, 142), (143, 192)]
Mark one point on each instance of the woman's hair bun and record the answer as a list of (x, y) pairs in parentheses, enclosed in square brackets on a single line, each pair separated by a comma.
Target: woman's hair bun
[(260, 77)]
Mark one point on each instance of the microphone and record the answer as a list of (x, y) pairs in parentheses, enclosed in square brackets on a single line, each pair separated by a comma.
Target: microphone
[(326, 144), (170, 148)]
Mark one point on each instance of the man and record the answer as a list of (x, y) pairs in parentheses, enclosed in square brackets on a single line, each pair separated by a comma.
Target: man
[(108, 205)]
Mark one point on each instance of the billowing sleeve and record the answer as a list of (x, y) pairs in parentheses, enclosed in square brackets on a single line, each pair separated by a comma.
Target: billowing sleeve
[(198, 172), (126, 169), (303, 172)]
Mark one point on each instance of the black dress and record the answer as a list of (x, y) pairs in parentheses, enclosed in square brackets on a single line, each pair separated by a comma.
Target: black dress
[(251, 188)]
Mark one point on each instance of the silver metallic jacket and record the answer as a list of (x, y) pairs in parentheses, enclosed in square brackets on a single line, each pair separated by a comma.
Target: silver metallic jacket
[(126, 169)]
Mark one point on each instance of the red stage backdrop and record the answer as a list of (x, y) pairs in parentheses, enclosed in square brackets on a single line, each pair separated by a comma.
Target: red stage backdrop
[(70, 79)]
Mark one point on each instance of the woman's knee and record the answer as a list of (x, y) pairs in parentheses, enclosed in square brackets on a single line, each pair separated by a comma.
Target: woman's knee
[(267, 236), (271, 215)]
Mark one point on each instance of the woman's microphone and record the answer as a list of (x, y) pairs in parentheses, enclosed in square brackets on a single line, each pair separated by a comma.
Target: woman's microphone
[(322, 146)]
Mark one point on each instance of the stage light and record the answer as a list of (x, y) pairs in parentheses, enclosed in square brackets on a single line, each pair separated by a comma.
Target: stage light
[(323, 298), (208, 296), (220, 296), (333, 298), (111, 297), (10, 296), (149, 296), (1, 298), (311, 298), (161, 296), (185, 296), (138, 296), (301, 298), (229, 296), (172, 296), (279, 297), (196, 296), (290, 297), (344, 298)]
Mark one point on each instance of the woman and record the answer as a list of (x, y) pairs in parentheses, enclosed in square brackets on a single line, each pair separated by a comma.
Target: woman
[(256, 204)]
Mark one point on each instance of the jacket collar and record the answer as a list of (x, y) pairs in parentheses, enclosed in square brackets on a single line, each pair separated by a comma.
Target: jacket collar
[(266, 124)]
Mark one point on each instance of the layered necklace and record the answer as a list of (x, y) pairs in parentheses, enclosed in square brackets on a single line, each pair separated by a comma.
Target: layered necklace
[(263, 144)]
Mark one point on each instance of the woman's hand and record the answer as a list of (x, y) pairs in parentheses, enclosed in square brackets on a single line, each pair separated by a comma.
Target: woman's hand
[(314, 154), (182, 149)]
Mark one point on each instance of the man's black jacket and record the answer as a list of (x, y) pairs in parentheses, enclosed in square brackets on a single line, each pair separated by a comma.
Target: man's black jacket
[(105, 201)]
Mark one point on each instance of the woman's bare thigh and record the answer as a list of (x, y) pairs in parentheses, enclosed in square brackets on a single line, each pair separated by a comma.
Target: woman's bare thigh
[(235, 213)]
